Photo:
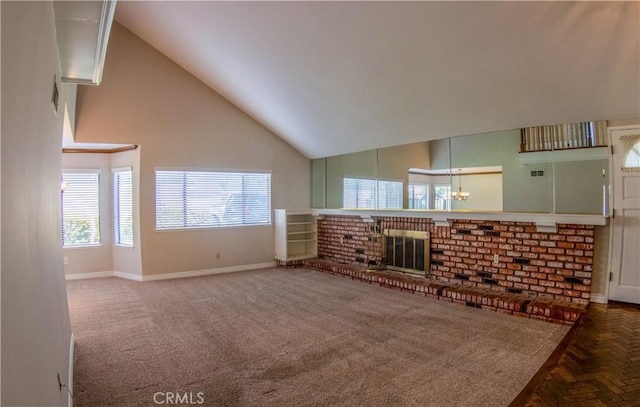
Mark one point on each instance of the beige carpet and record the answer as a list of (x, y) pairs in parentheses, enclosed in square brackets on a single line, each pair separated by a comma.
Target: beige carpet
[(294, 337)]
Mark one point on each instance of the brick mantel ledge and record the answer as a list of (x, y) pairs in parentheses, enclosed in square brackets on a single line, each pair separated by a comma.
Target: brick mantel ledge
[(544, 221)]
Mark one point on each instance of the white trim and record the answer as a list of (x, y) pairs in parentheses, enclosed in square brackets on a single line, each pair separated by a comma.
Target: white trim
[(128, 276), (206, 272), (121, 169), (169, 276), (72, 342), (576, 154), (217, 170), (542, 228), (91, 170), (599, 298), (82, 276), (544, 219)]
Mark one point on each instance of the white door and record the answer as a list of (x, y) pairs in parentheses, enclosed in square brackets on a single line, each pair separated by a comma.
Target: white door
[(625, 249)]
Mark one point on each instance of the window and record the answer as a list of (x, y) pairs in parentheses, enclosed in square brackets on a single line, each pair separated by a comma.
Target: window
[(389, 194), (358, 193), (197, 199), (442, 197), (632, 148), (418, 196), (80, 204), (123, 207), (368, 193)]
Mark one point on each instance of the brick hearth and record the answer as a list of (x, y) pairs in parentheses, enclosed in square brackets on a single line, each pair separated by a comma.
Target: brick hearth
[(515, 304)]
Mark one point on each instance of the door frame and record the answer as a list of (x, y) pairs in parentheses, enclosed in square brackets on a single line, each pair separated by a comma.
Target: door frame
[(611, 192)]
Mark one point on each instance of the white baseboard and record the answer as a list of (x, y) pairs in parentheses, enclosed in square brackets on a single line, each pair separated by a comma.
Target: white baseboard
[(198, 273), (599, 298), (168, 276), (81, 276), (72, 342), (128, 276)]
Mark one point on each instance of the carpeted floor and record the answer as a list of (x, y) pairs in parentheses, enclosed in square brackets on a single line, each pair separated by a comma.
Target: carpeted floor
[(294, 337)]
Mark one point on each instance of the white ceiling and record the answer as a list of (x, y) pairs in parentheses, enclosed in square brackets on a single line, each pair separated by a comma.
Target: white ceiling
[(338, 77)]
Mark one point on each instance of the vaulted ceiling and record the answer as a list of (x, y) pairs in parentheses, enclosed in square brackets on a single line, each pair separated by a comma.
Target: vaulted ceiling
[(338, 77)]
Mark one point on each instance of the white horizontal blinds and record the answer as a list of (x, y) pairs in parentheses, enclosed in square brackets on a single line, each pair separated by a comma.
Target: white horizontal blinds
[(365, 193), (170, 200), (194, 199), (358, 193), (123, 207), (80, 209), (563, 136), (389, 194), (442, 197), (418, 196)]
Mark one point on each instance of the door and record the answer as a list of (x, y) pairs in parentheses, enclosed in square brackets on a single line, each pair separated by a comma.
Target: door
[(625, 225)]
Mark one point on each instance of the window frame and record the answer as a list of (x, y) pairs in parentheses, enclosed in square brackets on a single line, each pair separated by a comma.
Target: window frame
[(76, 171), (375, 191), (222, 224), (446, 198), (116, 208), (411, 194)]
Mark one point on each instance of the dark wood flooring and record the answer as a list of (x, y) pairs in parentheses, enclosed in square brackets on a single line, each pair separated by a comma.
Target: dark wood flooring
[(600, 365)]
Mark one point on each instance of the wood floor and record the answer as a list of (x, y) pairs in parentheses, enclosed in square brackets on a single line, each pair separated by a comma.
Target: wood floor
[(601, 364)]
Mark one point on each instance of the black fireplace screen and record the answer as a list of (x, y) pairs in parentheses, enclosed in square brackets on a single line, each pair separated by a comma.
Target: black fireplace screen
[(407, 250)]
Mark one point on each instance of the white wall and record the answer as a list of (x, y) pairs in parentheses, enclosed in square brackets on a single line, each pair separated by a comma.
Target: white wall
[(129, 259), (148, 100), (36, 330), (485, 192)]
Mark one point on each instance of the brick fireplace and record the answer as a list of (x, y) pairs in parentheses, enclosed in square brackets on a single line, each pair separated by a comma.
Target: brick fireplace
[(510, 257)]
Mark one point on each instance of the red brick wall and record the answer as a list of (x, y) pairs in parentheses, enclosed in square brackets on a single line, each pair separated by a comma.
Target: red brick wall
[(549, 265), (349, 240)]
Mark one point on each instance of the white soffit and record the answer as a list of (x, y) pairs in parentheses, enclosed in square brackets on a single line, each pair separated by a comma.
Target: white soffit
[(339, 77), (82, 33)]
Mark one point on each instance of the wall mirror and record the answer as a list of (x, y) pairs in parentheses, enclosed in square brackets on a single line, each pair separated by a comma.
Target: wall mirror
[(547, 169)]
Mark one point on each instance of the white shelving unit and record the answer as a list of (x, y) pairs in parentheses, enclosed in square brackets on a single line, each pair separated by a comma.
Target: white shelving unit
[(296, 234)]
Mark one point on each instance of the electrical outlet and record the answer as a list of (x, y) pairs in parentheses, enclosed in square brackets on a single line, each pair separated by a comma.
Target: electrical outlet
[(217, 255), (65, 260), (496, 259)]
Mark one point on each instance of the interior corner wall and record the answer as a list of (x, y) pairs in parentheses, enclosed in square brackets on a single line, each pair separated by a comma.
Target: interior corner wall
[(94, 258), (129, 259), (36, 331), (179, 122)]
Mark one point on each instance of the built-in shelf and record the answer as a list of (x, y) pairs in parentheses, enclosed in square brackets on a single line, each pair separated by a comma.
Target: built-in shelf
[(295, 234)]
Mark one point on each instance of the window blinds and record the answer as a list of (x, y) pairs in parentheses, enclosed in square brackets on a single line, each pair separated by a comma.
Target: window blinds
[(368, 193), (80, 209), (197, 199), (123, 207)]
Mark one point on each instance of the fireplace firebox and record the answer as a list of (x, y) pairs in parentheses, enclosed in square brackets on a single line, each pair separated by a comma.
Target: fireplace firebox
[(407, 251)]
